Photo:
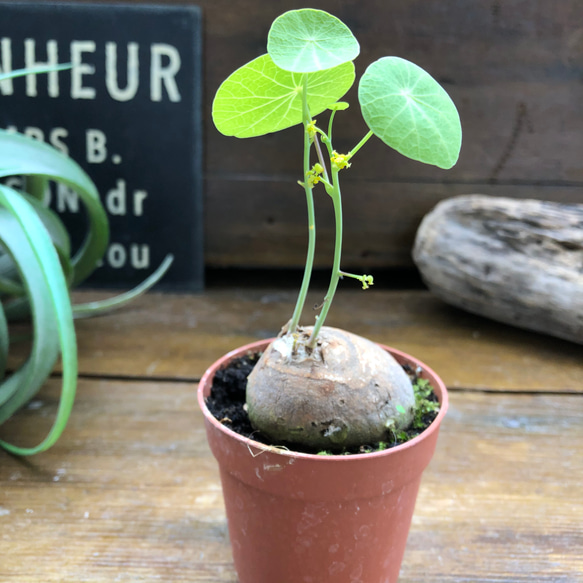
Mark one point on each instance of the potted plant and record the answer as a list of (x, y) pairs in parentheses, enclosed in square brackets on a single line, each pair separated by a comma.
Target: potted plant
[(295, 515), (38, 269)]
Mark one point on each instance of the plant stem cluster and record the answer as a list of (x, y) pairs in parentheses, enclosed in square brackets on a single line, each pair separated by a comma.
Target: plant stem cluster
[(314, 174)]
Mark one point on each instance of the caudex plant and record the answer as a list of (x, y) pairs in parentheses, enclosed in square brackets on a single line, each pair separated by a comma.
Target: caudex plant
[(318, 386), (38, 267)]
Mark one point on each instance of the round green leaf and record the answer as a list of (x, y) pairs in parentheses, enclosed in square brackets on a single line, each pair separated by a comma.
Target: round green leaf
[(260, 98), (409, 111), (308, 40)]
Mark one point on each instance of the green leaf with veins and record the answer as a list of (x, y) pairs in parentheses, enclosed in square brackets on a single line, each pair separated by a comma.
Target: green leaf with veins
[(409, 111), (308, 40), (260, 98)]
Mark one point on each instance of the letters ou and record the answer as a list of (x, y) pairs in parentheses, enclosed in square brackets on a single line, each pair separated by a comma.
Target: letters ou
[(140, 256), (117, 256)]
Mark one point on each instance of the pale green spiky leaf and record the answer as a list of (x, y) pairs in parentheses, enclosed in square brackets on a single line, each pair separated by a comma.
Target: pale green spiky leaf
[(37, 260), (103, 306), (20, 155), (34, 71), (308, 40), (52, 223), (4, 342), (9, 283), (409, 111), (58, 233), (25, 381), (260, 98)]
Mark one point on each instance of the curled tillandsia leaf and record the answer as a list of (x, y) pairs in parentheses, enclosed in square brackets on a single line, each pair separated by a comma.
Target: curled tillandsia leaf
[(103, 306), (37, 272), (20, 155), (28, 242), (34, 71), (38, 269)]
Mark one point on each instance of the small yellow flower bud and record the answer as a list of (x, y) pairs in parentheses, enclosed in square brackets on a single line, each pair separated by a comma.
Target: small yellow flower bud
[(311, 129), (313, 175), (339, 161)]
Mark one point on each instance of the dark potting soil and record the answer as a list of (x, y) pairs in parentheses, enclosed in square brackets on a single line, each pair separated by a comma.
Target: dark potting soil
[(227, 404)]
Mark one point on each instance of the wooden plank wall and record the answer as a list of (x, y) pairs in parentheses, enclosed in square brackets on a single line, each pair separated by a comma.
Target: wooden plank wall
[(514, 69)]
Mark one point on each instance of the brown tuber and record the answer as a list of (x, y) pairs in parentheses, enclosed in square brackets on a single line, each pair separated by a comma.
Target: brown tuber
[(345, 392)]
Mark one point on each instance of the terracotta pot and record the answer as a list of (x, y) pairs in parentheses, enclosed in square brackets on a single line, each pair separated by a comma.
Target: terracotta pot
[(301, 518)]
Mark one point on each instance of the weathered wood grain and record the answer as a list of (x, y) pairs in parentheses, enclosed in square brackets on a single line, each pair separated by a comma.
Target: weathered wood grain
[(257, 223), (512, 68), (490, 482), (518, 262), (131, 492), (178, 337)]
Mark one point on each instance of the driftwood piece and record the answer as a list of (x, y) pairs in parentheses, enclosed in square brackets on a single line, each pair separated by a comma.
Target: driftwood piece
[(516, 261)]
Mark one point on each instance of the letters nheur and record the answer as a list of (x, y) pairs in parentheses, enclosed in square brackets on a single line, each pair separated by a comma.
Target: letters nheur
[(164, 61)]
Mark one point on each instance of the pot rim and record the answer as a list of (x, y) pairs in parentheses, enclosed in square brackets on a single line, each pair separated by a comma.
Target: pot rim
[(437, 384)]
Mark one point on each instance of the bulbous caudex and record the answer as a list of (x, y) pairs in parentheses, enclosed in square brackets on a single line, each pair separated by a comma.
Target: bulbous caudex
[(345, 392)]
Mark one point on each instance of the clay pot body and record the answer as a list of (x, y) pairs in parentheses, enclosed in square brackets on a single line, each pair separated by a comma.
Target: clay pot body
[(301, 518)]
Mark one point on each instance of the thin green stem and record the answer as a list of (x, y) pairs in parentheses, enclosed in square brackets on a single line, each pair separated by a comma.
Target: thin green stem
[(335, 277), (327, 185), (330, 123), (360, 144), (295, 320)]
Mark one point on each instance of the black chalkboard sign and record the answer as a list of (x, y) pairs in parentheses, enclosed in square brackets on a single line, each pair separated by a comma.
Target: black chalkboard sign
[(128, 112)]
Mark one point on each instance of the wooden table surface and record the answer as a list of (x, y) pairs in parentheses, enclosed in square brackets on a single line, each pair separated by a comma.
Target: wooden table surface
[(132, 493)]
